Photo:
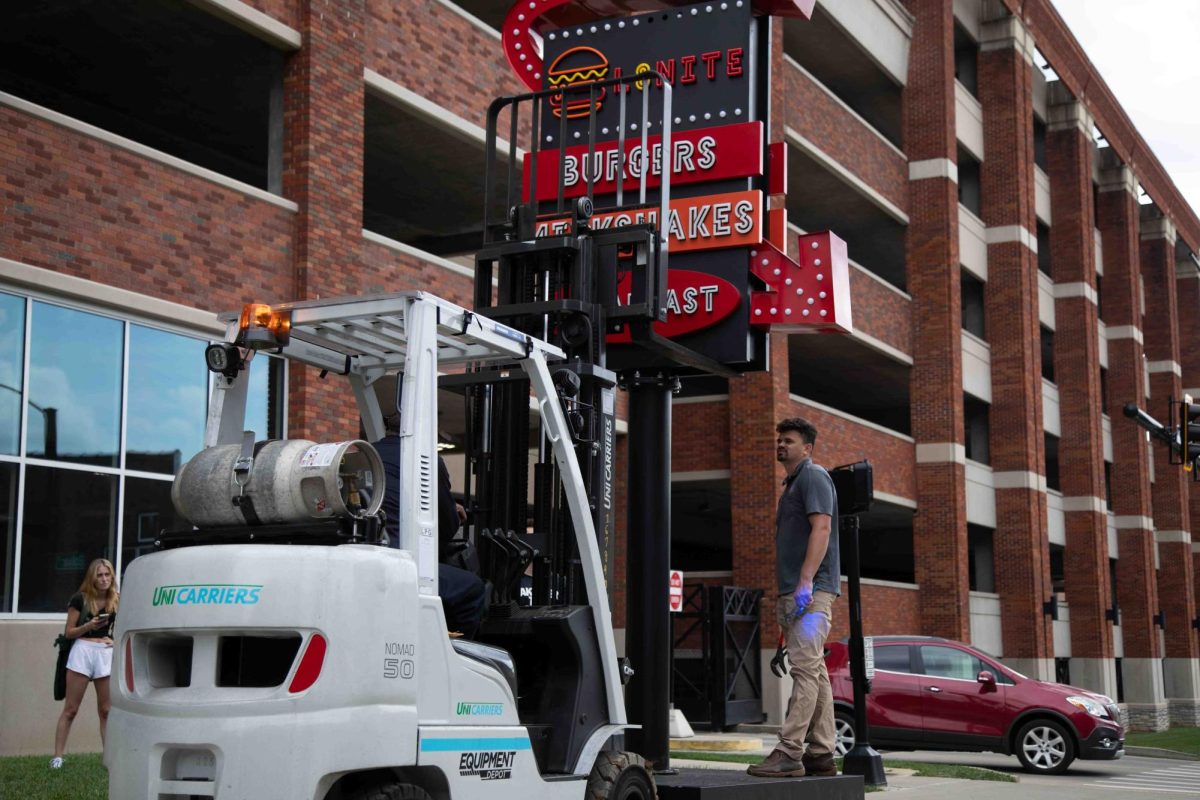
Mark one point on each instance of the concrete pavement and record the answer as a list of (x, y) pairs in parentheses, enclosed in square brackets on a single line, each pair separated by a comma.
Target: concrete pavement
[(1133, 776)]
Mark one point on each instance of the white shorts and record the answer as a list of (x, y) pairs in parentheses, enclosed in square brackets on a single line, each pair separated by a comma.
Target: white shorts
[(91, 659)]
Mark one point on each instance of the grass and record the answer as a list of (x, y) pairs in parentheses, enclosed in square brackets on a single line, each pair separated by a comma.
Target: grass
[(1183, 740), (921, 770), (82, 777)]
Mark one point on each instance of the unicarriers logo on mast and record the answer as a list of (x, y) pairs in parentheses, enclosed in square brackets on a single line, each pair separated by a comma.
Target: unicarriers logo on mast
[(207, 594)]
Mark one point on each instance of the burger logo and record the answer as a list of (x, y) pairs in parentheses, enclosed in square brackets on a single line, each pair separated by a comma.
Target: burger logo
[(577, 67)]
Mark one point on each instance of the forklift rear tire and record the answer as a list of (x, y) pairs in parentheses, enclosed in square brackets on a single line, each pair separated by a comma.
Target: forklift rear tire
[(390, 791), (620, 776)]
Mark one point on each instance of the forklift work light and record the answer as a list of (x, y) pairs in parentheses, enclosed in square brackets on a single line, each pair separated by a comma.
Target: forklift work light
[(260, 328), (223, 358)]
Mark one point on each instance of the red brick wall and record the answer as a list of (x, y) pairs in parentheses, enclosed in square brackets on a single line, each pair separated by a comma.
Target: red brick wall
[(285, 11), (1017, 445), (843, 441), (1077, 372), (885, 610), (881, 312), (429, 49), (388, 270), (322, 172), (700, 437), (939, 530), (79, 206), (816, 116)]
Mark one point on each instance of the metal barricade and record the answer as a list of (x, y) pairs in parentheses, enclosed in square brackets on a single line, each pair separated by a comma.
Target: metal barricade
[(718, 684)]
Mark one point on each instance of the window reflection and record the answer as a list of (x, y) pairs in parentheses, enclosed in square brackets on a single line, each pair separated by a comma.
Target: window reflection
[(148, 512), (74, 386), (264, 398), (12, 368), (8, 531), (70, 518), (168, 399)]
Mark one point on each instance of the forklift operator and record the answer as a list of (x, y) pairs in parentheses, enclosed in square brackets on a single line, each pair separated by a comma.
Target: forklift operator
[(461, 591)]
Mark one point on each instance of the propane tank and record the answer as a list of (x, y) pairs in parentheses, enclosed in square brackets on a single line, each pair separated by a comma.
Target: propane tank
[(289, 481)]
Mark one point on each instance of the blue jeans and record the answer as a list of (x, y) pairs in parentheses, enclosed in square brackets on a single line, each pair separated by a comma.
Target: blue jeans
[(462, 599)]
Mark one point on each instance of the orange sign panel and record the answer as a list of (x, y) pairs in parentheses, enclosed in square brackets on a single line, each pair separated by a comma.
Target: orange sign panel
[(711, 222)]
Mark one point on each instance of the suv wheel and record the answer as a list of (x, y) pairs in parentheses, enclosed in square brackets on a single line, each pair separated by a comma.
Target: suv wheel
[(1045, 747), (843, 726)]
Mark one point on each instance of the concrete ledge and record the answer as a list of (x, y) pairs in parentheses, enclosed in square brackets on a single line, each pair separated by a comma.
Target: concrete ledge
[(717, 743), (1158, 752)]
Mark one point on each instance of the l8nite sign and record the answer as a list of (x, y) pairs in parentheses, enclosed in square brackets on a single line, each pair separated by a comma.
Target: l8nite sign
[(729, 279)]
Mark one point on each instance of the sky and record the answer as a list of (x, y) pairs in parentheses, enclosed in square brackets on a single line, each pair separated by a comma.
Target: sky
[(1148, 52)]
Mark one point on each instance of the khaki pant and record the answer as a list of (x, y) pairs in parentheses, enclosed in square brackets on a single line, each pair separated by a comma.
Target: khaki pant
[(810, 711)]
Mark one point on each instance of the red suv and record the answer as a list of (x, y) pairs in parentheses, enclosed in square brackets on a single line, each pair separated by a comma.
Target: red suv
[(936, 694)]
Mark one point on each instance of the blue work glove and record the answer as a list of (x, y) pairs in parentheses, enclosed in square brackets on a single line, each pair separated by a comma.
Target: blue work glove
[(803, 597)]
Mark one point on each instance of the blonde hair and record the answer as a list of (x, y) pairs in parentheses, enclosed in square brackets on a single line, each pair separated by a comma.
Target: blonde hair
[(88, 588)]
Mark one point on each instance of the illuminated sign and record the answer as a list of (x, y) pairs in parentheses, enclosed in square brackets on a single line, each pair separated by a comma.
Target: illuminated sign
[(733, 219), (577, 67), (697, 156), (706, 52), (695, 300)]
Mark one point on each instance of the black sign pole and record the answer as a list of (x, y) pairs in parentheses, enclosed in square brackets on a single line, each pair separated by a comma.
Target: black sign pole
[(648, 617), (862, 759)]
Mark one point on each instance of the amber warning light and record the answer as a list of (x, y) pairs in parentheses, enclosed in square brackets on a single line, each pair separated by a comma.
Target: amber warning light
[(260, 328)]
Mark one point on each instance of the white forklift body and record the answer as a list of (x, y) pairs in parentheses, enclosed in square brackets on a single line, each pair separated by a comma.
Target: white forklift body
[(350, 667)]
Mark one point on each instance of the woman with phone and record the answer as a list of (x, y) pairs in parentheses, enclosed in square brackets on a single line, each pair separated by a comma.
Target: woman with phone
[(91, 613)]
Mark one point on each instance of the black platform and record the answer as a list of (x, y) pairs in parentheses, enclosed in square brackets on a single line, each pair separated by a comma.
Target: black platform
[(727, 784)]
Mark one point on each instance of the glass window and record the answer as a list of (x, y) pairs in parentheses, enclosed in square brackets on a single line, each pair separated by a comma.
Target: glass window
[(947, 662), (973, 317), (74, 386), (168, 399), (893, 658), (264, 398), (9, 483), (148, 512), (70, 518), (12, 371)]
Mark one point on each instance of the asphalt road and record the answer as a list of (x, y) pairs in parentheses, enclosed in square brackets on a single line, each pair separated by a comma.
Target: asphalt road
[(1135, 776)]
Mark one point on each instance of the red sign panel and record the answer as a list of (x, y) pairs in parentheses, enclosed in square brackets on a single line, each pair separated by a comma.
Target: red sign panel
[(695, 300), (704, 154), (732, 219)]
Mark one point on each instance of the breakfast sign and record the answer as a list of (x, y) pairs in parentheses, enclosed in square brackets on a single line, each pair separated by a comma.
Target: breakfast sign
[(729, 280)]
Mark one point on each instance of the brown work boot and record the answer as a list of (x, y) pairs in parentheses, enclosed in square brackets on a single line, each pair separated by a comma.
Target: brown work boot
[(822, 766), (777, 765)]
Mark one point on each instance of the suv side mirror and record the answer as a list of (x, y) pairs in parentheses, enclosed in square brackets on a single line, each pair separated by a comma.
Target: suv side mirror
[(986, 678)]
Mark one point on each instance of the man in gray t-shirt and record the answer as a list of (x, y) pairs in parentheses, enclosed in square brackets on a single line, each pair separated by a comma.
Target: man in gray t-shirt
[(808, 576)]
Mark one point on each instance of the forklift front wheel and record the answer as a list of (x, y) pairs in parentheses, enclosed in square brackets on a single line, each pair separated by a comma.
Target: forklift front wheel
[(390, 791), (620, 776)]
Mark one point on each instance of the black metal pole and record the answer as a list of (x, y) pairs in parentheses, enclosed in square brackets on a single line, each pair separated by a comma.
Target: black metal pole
[(648, 623), (862, 759)]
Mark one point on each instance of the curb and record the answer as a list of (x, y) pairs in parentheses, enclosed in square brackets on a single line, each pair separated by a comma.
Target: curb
[(724, 744), (1158, 752)]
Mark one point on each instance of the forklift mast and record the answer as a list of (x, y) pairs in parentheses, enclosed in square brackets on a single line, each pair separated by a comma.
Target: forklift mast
[(549, 269)]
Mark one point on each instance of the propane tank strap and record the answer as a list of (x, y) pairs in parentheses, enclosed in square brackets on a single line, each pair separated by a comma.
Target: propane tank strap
[(245, 504), (241, 476)]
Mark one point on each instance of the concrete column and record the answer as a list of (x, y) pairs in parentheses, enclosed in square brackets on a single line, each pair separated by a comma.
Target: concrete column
[(1077, 370), (1137, 592), (323, 99), (1017, 446), (934, 281)]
